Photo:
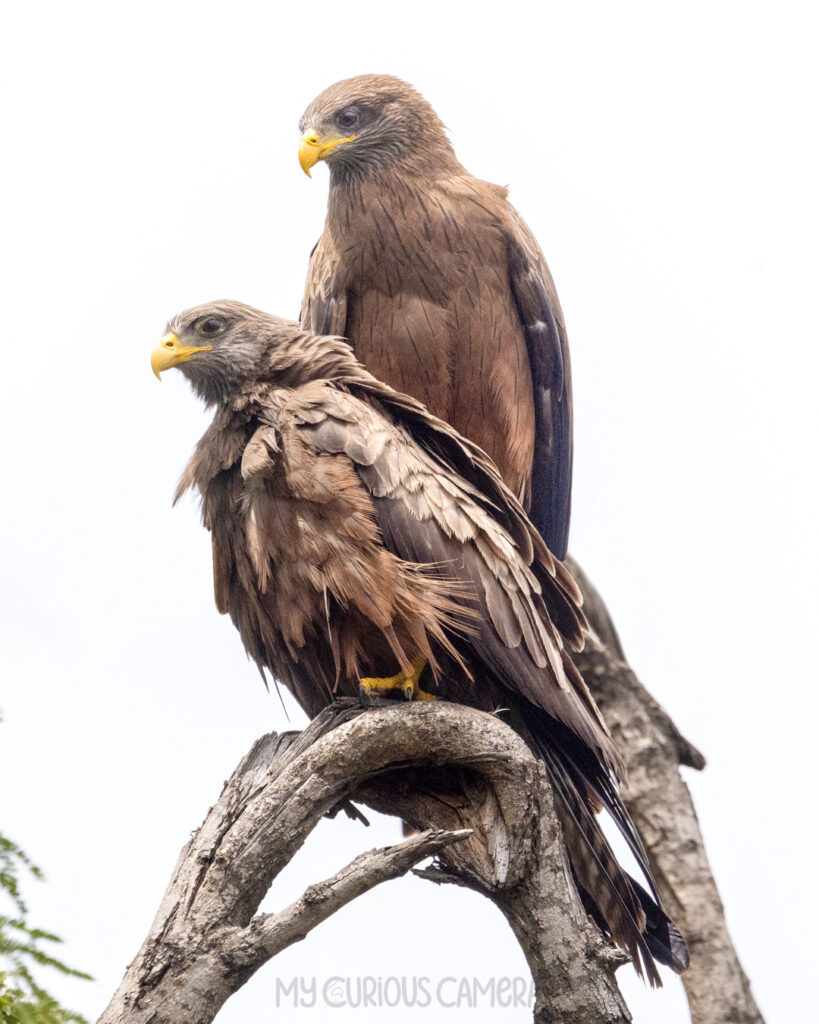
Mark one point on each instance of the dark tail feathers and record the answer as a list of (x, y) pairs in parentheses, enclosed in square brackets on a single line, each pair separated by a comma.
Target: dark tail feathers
[(633, 917), (663, 938)]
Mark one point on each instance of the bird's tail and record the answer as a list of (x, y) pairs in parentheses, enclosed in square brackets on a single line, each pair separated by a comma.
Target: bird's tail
[(632, 916)]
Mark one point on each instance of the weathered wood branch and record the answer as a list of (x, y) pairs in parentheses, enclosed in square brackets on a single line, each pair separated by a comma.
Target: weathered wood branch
[(269, 934), (660, 804), (496, 832), (572, 966), (484, 806)]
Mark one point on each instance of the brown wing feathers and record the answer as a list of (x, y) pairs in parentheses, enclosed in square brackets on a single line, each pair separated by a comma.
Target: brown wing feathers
[(514, 642)]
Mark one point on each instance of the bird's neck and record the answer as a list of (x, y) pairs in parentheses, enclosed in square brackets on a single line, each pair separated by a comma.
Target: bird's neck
[(311, 357)]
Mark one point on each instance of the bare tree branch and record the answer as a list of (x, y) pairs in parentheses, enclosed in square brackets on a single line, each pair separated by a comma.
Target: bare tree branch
[(571, 964), (269, 934), (485, 809), (660, 804), (468, 767)]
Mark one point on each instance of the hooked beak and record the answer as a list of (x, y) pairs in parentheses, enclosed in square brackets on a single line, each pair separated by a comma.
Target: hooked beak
[(312, 149), (171, 352)]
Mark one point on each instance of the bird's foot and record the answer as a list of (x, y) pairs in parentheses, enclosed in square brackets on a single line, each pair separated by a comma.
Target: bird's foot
[(405, 685)]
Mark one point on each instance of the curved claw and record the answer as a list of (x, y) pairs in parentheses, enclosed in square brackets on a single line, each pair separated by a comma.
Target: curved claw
[(406, 685)]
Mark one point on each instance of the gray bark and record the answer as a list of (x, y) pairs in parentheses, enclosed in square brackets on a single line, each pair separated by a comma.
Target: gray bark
[(497, 834), (484, 806), (660, 804)]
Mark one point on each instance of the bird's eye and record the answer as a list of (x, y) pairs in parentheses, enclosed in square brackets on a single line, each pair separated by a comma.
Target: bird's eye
[(348, 118), (210, 326)]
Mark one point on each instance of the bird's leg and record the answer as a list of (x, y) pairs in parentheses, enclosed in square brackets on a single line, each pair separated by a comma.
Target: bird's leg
[(372, 686)]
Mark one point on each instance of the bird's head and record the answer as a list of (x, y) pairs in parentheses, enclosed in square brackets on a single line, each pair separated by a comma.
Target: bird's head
[(363, 126), (227, 348), (221, 345)]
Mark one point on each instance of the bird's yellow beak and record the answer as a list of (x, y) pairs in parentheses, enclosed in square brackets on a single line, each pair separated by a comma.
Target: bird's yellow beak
[(170, 352), (312, 149)]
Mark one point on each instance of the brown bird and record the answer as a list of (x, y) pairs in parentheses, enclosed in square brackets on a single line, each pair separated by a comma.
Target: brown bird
[(361, 543), (440, 287)]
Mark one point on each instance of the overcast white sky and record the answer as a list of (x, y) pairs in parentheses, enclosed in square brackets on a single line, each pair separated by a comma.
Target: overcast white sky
[(666, 158)]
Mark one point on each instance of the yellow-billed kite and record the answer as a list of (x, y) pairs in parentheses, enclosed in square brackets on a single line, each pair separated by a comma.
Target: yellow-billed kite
[(359, 542), (440, 287)]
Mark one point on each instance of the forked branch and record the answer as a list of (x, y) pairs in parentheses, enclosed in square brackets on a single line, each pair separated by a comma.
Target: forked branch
[(484, 806), (498, 834)]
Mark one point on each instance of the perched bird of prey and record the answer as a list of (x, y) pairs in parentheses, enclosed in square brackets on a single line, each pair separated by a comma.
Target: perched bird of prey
[(361, 543), (440, 287)]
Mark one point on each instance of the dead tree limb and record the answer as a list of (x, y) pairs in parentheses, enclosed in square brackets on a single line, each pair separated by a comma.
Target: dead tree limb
[(498, 834), (660, 804), (485, 810)]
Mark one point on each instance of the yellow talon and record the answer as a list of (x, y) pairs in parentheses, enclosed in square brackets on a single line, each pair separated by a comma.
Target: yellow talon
[(408, 685)]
